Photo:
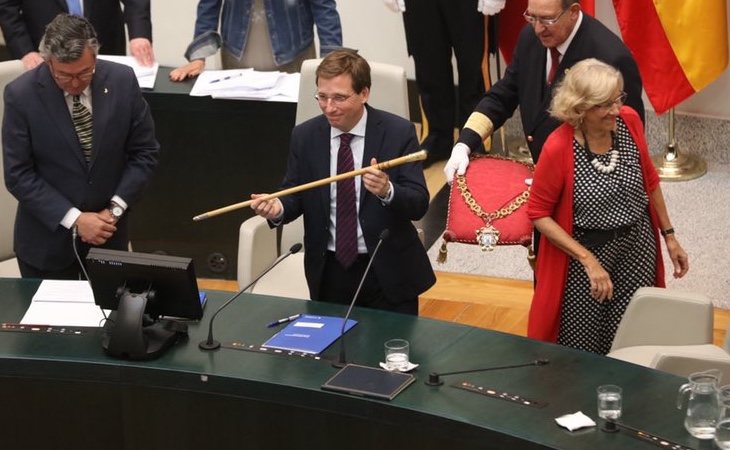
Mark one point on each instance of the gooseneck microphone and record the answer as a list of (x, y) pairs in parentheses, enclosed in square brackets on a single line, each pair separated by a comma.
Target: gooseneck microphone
[(212, 344), (343, 361), (434, 379)]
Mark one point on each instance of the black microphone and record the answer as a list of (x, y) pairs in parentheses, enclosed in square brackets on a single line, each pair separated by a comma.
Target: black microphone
[(434, 379), (343, 361), (212, 344)]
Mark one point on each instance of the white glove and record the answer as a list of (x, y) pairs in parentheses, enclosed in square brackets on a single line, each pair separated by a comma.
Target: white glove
[(490, 7), (458, 162), (397, 5)]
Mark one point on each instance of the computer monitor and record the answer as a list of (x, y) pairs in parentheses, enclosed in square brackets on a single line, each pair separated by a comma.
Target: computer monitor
[(143, 290)]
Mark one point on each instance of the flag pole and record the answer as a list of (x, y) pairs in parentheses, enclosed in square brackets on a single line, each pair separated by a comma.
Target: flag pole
[(676, 166)]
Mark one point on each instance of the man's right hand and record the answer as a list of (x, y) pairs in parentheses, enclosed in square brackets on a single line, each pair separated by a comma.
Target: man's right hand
[(458, 162), (396, 5), (268, 209), (95, 228), (31, 60), (189, 70)]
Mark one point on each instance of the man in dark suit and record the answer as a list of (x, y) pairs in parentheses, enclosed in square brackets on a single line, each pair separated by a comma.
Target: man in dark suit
[(78, 148), (557, 32), (343, 222), (23, 23)]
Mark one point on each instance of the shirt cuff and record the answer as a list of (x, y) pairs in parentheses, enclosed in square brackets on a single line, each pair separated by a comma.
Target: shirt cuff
[(70, 218), (118, 200), (388, 198)]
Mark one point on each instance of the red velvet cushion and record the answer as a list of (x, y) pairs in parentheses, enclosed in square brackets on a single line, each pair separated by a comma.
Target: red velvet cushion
[(494, 182)]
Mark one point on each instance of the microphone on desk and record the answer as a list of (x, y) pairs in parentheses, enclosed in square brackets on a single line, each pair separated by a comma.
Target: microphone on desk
[(212, 344), (434, 379), (343, 360)]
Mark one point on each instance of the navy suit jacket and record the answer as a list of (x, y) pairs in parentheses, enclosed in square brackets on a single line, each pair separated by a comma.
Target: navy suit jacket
[(524, 83), (401, 267), (24, 22), (45, 168)]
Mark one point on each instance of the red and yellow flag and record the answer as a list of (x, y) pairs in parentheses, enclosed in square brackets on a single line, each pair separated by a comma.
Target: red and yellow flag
[(511, 22), (681, 46)]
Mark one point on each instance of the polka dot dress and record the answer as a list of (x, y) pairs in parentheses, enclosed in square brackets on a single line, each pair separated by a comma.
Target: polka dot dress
[(607, 201)]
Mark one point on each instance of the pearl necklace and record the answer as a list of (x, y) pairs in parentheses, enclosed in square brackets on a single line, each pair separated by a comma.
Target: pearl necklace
[(598, 165)]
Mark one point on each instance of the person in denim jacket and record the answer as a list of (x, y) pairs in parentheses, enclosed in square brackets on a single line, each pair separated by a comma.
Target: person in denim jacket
[(261, 34)]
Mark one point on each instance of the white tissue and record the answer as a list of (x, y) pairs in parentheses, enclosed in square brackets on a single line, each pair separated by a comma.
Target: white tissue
[(410, 367), (575, 421)]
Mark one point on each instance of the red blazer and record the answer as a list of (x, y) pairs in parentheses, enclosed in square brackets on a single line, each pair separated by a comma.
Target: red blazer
[(551, 195)]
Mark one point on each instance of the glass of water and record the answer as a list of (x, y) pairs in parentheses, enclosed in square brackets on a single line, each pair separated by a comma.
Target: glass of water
[(396, 354), (609, 401)]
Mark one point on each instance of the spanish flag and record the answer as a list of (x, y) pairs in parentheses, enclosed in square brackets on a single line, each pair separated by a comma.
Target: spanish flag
[(681, 46), (511, 22)]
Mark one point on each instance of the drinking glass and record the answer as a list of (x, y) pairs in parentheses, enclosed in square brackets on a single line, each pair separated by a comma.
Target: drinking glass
[(609, 401), (396, 354)]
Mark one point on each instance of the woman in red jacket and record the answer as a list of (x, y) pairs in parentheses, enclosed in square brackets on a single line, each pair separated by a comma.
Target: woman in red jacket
[(596, 200)]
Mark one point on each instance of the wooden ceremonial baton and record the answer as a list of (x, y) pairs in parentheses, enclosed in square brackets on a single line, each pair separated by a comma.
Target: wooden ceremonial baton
[(413, 157)]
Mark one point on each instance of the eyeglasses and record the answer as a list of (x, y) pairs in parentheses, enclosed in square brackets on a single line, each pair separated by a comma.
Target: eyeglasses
[(337, 99), (83, 77), (544, 21), (618, 101)]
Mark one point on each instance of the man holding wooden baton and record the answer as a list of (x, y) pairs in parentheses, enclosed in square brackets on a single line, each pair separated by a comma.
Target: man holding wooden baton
[(344, 221)]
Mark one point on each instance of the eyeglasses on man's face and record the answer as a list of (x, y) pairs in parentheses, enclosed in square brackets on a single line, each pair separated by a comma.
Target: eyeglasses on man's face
[(337, 99), (83, 76), (544, 21), (618, 101)]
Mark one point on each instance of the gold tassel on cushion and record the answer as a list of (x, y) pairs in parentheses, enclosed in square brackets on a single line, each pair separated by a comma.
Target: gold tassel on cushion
[(442, 253), (448, 236)]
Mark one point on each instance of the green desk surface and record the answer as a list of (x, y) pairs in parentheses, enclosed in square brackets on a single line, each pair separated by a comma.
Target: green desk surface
[(567, 384)]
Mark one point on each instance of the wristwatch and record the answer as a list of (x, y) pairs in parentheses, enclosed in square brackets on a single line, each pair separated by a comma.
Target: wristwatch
[(116, 210)]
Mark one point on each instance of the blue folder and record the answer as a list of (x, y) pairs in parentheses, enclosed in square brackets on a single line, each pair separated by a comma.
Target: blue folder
[(309, 334)]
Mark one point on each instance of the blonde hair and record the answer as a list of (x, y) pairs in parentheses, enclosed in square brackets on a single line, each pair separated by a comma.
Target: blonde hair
[(588, 83)]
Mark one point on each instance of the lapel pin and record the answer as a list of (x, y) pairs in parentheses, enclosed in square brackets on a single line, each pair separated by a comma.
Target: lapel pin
[(106, 91)]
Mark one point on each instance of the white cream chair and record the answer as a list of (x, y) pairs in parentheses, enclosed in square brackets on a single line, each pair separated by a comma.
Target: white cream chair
[(670, 331), (258, 248), (257, 243), (389, 90), (9, 70)]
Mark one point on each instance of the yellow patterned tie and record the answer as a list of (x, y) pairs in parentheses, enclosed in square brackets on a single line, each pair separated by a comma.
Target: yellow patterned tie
[(83, 124)]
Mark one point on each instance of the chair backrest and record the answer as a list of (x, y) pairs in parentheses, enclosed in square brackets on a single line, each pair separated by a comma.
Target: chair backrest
[(389, 90), (655, 317), (9, 70)]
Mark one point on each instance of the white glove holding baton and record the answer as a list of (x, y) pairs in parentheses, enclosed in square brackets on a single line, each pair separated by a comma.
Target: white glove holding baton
[(458, 162), (397, 5), (490, 7)]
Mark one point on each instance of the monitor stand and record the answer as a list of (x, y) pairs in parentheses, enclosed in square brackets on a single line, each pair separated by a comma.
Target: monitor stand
[(126, 336)]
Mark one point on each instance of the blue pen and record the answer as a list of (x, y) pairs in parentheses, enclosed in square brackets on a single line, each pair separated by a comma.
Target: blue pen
[(225, 78), (284, 320)]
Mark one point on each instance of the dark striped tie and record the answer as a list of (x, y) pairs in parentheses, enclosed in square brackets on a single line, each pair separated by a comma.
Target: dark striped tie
[(83, 124), (346, 226)]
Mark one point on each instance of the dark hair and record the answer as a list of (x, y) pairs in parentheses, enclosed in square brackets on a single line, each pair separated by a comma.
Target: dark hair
[(66, 38), (568, 3), (345, 61)]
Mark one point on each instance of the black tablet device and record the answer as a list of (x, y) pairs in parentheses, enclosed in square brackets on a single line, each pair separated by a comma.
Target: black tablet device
[(369, 382)]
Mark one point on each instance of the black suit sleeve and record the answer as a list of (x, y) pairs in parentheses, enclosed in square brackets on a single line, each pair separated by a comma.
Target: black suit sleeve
[(15, 30), (137, 17)]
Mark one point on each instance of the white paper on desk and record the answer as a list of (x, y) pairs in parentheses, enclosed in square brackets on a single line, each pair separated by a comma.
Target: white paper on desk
[(146, 76), (247, 84), (63, 302), (286, 89)]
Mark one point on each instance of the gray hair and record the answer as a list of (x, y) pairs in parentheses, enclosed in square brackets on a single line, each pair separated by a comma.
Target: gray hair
[(66, 38), (588, 83)]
